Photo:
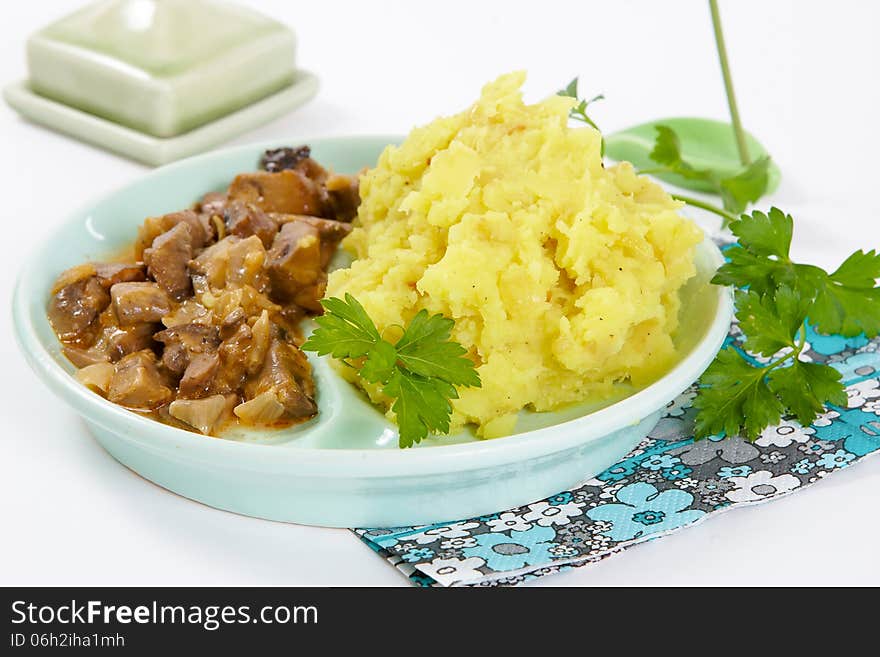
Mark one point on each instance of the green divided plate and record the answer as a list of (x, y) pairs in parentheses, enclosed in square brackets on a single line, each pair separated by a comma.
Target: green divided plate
[(343, 468)]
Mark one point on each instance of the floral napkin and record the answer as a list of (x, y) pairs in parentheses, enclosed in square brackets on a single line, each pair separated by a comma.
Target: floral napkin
[(667, 483)]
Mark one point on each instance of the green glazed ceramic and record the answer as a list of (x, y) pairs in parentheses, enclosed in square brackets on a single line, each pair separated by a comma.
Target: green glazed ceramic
[(161, 67), (147, 148), (705, 144), (343, 468)]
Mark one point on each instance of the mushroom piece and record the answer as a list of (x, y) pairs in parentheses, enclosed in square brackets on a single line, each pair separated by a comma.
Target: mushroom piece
[(202, 414), (121, 341), (112, 273), (135, 303), (137, 382), (182, 343), (168, 258), (84, 357), (201, 229), (262, 409), (246, 219), (199, 375), (289, 191), (286, 374), (232, 262), (294, 259), (75, 307), (344, 197), (96, 376)]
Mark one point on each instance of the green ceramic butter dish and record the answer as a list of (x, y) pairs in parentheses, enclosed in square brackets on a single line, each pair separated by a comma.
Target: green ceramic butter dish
[(158, 80)]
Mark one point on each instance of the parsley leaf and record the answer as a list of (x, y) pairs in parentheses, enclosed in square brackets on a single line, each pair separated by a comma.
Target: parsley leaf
[(746, 187), (769, 322), (761, 260), (804, 388), (765, 234), (380, 362), (859, 270), (345, 330), (419, 372), (745, 268), (735, 398), (736, 192), (421, 405), (777, 298), (579, 111), (424, 348), (848, 301), (667, 151)]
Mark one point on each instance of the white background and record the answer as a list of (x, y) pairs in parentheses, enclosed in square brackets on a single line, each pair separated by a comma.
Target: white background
[(807, 79)]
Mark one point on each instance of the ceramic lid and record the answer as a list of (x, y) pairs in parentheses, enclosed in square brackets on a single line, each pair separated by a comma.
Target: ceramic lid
[(161, 67), (162, 37)]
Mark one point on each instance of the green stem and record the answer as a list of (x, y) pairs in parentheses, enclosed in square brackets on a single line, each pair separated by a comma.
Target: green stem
[(738, 131), (802, 339), (654, 170), (580, 116), (794, 355), (697, 203)]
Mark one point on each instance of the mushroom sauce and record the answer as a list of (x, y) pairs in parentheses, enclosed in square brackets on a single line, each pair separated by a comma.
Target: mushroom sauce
[(199, 327)]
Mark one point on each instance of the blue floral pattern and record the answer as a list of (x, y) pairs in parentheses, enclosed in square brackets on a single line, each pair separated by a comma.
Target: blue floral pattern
[(504, 553), (640, 508), (728, 472), (667, 483)]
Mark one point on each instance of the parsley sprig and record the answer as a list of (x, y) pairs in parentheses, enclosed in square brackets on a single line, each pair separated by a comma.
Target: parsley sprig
[(579, 111), (420, 371), (751, 387), (776, 299), (845, 301), (743, 392), (736, 192)]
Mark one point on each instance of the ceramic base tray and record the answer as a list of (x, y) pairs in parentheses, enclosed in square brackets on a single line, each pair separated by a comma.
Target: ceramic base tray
[(343, 468), (148, 148)]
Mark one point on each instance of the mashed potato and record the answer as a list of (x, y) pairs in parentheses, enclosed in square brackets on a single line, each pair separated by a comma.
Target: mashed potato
[(562, 276)]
